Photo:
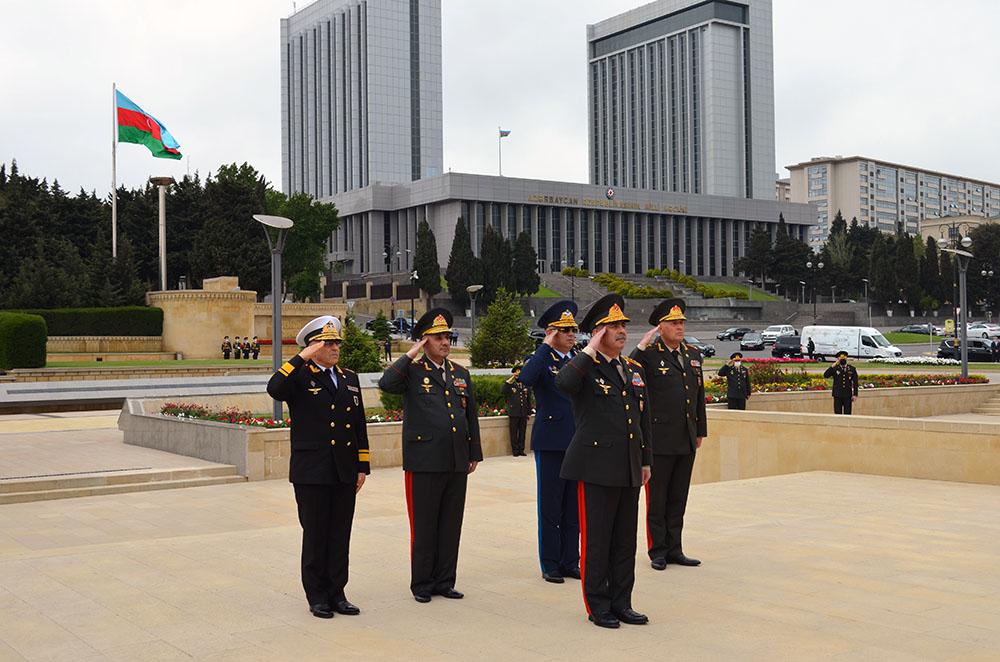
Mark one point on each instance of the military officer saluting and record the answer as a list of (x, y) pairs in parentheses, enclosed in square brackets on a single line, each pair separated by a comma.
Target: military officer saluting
[(441, 447), (558, 512), (610, 458), (845, 384), (677, 393), (518, 410), (737, 381), (329, 461), (227, 347)]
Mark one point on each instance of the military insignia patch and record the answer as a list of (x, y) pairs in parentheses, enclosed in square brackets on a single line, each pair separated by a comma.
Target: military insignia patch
[(353, 388), (637, 380), (695, 364), (356, 400), (314, 391), (460, 382), (427, 380), (554, 370)]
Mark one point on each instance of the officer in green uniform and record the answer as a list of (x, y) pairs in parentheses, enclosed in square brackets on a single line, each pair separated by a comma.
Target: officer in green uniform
[(227, 347), (518, 410), (255, 347), (329, 461), (441, 447), (845, 384), (677, 393), (610, 458), (237, 349), (737, 381)]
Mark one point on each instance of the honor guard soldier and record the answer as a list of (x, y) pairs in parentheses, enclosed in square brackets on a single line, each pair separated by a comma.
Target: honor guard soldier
[(246, 347), (677, 393), (441, 447), (737, 382), (227, 347), (558, 512), (255, 347), (237, 347), (518, 410), (610, 458), (329, 461), (845, 384)]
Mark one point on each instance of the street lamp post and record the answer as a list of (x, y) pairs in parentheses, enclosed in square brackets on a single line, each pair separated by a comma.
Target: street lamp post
[(868, 302), (963, 257), (162, 183), (276, 244), (813, 276), (413, 285), (987, 273), (802, 298), (473, 290)]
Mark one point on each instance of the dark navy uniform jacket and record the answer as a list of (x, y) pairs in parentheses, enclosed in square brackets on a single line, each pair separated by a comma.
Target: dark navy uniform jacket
[(676, 395), (737, 381), (440, 420), (329, 436), (610, 444), (554, 425), (845, 380)]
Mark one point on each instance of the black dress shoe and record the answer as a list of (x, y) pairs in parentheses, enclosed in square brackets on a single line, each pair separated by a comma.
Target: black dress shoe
[(321, 610), (346, 608), (451, 594), (572, 574), (632, 617), (605, 620), (680, 559), (659, 563), (422, 597), (553, 577)]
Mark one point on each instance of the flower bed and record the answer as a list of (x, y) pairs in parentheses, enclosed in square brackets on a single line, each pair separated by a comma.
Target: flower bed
[(783, 359), (715, 390), (917, 360)]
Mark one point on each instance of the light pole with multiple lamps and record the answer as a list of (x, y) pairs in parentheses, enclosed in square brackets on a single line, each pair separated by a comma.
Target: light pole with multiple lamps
[(813, 276), (276, 243), (473, 290), (987, 273), (963, 257)]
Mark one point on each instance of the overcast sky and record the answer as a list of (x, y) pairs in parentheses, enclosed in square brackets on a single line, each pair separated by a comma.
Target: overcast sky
[(913, 81)]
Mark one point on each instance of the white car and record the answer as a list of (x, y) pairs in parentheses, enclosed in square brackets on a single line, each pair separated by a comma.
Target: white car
[(771, 333), (983, 330)]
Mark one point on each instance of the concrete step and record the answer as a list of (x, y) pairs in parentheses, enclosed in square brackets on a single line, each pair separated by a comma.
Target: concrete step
[(74, 492), (989, 411)]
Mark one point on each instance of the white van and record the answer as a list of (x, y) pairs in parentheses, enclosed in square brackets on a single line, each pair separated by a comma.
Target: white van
[(858, 341)]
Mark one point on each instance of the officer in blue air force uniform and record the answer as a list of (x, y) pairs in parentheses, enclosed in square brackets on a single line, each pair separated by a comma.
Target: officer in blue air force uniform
[(558, 512), (329, 462)]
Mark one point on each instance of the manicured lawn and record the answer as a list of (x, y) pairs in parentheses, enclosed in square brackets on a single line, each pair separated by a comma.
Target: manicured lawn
[(897, 338), (546, 293), (755, 294)]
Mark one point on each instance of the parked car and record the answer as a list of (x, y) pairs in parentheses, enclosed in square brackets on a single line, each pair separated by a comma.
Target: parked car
[(979, 350), (751, 341), (772, 332), (983, 330), (706, 349), (925, 329), (733, 333), (787, 347), (538, 335), (860, 341)]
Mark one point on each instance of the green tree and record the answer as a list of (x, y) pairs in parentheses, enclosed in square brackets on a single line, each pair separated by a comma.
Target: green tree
[(358, 350), (495, 261), (463, 267), (302, 260), (908, 272), (930, 278), (789, 257), (986, 249), (524, 269), (759, 257), (425, 261), (881, 272), (501, 338), (381, 328)]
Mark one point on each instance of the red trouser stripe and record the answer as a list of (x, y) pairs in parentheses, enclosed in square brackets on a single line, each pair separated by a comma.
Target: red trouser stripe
[(409, 505), (649, 534), (581, 500)]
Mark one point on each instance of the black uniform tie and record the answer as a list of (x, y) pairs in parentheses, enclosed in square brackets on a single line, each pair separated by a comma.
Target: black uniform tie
[(618, 366)]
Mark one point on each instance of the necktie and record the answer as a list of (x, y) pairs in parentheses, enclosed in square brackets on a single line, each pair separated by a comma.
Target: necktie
[(618, 366), (332, 376)]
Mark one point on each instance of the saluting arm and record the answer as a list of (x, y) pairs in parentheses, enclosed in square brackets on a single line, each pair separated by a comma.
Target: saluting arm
[(829, 372), (281, 386), (724, 370), (394, 379), (536, 365)]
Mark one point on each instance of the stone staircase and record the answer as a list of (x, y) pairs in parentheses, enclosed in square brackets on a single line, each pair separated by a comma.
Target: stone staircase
[(68, 486), (989, 408)]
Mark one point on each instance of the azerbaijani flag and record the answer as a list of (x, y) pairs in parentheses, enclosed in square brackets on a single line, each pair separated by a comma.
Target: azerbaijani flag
[(137, 126), (504, 133)]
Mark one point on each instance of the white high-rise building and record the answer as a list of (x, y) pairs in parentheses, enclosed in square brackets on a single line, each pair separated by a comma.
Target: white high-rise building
[(682, 98), (361, 94)]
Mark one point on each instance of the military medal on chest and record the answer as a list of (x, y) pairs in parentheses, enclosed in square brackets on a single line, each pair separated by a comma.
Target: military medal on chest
[(663, 367), (605, 387), (427, 385)]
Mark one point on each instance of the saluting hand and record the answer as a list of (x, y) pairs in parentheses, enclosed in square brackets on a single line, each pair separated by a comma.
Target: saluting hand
[(648, 338), (595, 339), (311, 350), (550, 334), (417, 347)]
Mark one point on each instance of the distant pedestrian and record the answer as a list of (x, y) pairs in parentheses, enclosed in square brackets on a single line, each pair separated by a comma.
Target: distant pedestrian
[(387, 346), (737, 381), (811, 349)]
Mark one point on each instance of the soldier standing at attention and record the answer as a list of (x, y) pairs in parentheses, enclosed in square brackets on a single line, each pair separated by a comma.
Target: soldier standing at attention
[(237, 349), (845, 384), (737, 382), (329, 462), (246, 347), (518, 410), (441, 447), (610, 458), (558, 512), (227, 347), (255, 347), (677, 393)]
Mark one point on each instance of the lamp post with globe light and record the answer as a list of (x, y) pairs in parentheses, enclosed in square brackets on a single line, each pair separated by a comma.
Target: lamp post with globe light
[(813, 276), (276, 230), (963, 257)]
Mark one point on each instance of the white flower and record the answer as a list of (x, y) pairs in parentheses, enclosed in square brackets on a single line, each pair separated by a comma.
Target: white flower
[(918, 360)]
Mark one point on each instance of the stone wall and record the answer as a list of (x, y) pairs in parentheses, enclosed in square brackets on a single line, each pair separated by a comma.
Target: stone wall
[(194, 321), (104, 344), (293, 317)]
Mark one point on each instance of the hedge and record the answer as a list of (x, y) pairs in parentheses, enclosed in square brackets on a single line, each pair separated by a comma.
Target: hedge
[(488, 389), (122, 321), (22, 341), (629, 290)]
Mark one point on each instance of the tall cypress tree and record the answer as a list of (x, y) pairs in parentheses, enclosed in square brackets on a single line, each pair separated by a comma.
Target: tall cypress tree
[(462, 267), (525, 266), (425, 261), (907, 271), (495, 264), (882, 273), (930, 279)]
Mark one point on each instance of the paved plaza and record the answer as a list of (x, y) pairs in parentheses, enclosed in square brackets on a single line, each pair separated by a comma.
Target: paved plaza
[(806, 566)]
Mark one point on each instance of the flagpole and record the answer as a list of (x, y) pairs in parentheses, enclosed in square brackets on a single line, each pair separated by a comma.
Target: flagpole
[(114, 173), (499, 153)]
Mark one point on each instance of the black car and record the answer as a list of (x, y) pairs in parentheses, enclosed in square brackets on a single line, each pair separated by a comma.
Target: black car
[(733, 333), (925, 329), (751, 341), (979, 350), (703, 347), (789, 347)]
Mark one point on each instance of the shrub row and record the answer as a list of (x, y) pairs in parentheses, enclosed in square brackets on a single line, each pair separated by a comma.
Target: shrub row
[(714, 292), (122, 321), (631, 290), (22, 341), (574, 271), (488, 389)]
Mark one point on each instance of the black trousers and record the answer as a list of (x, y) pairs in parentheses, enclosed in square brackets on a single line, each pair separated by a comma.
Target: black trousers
[(736, 403), (435, 502), (558, 515), (256, 353), (225, 354), (518, 427), (842, 405), (666, 501), (609, 517), (326, 513)]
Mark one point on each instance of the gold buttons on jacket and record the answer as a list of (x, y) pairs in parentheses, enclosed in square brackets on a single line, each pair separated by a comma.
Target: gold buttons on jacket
[(454, 429), (452, 416), (630, 421), (631, 436), (348, 409), (333, 442), (595, 443), (624, 394), (333, 406), (447, 392), (449, 404), (332, 424), (348, 426), (348, 443), (627, 407)]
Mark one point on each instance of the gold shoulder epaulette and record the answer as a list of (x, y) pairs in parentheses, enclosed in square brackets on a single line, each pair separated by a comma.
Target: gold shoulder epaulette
[(633, 361)]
